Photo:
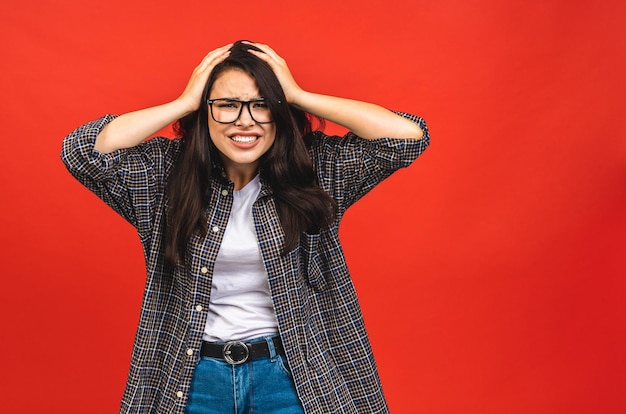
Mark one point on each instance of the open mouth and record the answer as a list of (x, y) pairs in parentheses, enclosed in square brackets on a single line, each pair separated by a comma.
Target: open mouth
[(244, 139)]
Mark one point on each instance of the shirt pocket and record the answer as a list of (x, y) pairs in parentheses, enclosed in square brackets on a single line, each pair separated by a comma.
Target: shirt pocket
[(314, 264)]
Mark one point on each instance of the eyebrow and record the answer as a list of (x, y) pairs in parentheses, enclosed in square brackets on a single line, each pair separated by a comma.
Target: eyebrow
[(239, 99)]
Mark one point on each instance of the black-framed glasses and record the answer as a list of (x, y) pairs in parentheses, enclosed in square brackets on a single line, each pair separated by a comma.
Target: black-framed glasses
[(227, 111)]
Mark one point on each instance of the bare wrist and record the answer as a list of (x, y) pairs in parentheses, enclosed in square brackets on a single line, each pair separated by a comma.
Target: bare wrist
[(185, 106)]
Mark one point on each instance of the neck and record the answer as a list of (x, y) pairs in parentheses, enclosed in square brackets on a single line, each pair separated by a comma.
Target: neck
[(241, 177)]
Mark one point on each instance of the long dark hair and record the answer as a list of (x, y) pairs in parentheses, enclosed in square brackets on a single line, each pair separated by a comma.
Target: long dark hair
[(287, 167)]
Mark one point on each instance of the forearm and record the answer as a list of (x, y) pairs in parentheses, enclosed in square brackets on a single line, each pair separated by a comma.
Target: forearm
[(132, 128), (366, 120)]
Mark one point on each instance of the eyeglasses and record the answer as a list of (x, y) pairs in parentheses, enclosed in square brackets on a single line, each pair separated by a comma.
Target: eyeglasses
[(227, 111)]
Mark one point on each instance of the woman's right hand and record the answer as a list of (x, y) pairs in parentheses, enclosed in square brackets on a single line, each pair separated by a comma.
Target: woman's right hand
[(192, 94), (131, 128)]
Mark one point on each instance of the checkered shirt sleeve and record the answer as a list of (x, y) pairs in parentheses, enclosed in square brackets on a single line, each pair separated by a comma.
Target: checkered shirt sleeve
[(129, 180), (349, 167)]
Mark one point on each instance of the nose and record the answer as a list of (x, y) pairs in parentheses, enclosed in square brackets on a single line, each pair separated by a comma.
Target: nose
[(245, 117)]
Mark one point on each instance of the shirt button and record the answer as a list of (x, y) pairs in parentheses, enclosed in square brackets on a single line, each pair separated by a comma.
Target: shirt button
[(190, 352), (215, 229), (179, 394), (224, 192), (199, 308), (204, 270)]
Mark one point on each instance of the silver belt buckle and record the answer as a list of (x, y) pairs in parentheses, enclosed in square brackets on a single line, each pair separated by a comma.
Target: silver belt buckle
[(227, 353)]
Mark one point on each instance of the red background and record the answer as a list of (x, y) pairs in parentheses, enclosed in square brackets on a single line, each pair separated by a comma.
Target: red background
[(491, 272)]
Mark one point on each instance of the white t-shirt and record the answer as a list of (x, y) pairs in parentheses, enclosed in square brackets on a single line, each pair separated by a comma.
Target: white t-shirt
[(241, 306)]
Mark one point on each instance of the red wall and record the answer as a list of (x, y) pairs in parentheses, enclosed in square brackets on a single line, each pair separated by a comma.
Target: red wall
[(491, 272)]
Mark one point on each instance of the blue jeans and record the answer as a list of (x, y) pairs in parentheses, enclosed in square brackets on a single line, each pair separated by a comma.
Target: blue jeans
[(260, 386)]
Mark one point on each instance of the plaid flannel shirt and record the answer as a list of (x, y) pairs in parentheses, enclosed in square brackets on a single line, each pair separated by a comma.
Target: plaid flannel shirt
[(318, 314)]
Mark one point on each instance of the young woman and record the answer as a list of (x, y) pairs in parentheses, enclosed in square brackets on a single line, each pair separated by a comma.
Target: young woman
[(248, 305)]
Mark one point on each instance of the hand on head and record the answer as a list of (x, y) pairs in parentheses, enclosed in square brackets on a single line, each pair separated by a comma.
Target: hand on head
[(193, 91), (192, 94), (280, 68)]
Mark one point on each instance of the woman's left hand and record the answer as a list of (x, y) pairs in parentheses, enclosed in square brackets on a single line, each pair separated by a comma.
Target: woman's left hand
[(366, 120), (282, 72)]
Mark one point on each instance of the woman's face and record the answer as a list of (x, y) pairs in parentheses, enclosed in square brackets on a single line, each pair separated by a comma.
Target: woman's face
[(244, 141)]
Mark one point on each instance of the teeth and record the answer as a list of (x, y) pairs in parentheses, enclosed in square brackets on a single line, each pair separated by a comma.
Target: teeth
[(242, 139)]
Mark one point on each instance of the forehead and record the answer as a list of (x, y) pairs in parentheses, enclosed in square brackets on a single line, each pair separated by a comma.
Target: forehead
[(234, 83)]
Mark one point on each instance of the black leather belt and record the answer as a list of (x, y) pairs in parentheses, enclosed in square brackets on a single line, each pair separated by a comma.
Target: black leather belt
[(237, 352)]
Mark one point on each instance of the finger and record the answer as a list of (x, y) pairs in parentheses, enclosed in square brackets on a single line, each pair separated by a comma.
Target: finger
[(275, 62), (214, 57), (265, 58), (220, 49), (217, 52), (266, 50)]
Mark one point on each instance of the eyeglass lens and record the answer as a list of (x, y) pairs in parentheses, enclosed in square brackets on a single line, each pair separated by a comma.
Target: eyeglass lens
[(227, 111)]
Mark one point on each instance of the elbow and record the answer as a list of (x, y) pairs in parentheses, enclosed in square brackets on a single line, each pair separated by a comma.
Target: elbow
[(102, 143), (418, 133), (410, 127), (414, 132), (67, 151), (107, 140), (421, 130)]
